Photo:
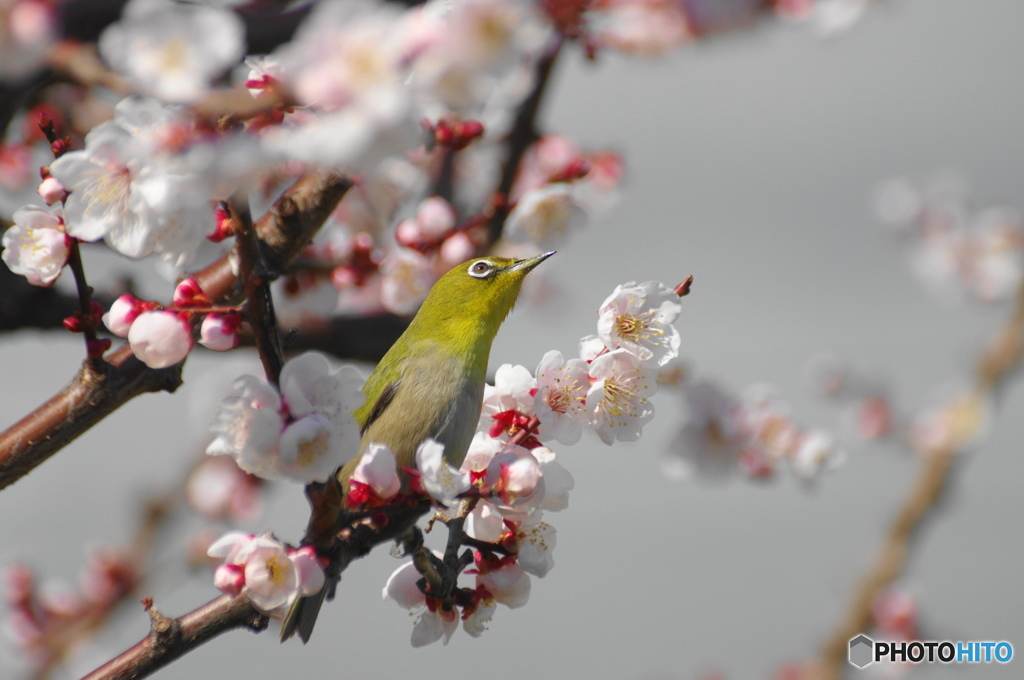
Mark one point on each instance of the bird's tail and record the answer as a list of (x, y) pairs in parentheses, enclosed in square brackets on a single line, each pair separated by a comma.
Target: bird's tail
[(301, 616)]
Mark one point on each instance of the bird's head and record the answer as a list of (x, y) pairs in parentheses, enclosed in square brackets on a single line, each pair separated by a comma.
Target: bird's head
[(478, 294)]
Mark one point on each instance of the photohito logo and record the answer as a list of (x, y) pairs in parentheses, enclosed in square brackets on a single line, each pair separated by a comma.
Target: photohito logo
[(864, 651)]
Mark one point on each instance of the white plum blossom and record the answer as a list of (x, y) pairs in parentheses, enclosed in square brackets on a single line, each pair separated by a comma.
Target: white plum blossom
[(347, 54), (710, 442), (618, 398), (247, 424), (558, 481), (545, 216), (172, 50), (512, 391), (407, 278), (468, 51), (639, 317), (535, 540), (441, 481), (36, 246), (508, 584), (160, 338), (560, 400), (476, 623), (646, 28), (514, 476), (319, 434), (482, 449), (432, 624), (591, 347), (378, 470), (130, 187), (321, 401), (266, 570), (818, 451), (485, 523)]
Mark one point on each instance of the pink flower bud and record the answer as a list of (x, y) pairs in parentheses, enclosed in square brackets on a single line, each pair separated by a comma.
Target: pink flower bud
[(160, 338), (51, 191), (229, 579), (122, 313), (436, 217), (219, 332), (188, 293)]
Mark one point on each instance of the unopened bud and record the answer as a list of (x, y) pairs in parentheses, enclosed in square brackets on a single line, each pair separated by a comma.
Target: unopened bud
[(683, 288), (97, 348)]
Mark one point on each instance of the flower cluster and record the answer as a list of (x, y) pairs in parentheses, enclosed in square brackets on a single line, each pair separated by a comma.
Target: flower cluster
[(270, 573), (752, 433), (302, 430), (145, 180), (45, 619), (957, 249), (514, 478), (162, 336)]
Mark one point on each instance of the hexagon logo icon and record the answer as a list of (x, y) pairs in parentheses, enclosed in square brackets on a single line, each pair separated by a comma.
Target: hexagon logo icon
[(862, 651)]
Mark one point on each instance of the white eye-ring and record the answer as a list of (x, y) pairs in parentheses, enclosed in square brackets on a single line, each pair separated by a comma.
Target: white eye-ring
[(481, 269)]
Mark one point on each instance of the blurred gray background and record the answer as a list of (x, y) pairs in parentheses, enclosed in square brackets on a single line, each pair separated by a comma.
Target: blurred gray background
[(750, 159)]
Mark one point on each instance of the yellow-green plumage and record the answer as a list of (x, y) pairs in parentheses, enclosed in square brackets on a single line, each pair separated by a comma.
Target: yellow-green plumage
[(431, 381)]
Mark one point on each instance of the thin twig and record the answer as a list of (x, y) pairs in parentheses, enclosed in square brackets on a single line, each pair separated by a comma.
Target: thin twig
[(522, 135)]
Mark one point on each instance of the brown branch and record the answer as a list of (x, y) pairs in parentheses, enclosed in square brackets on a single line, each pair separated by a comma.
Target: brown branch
[(169, 638), (522, 135), (98, 391), (999, 360)]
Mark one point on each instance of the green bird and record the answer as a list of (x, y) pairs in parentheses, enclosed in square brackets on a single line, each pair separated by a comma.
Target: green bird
[(431, 382)]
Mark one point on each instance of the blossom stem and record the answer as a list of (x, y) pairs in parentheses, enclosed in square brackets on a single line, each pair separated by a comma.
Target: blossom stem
[(84, 299), (530, 429)]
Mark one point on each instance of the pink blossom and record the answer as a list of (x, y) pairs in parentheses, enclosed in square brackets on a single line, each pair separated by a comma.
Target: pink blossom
[(639, 318), (440, 480), (407, 278), (229, 578), (160, 338), (506, 581), (266, 570), (173, 51), (560, 401), (535, 541), (51, 191), (545, 216), (378, 470), (36, 247), (513, 474), (485, 523), (618, 397), (247, 426), (219, 332), (122, 314), (512, 391)]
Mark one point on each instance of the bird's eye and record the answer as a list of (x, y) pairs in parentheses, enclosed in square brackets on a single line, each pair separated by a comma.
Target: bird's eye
[(481, 269)]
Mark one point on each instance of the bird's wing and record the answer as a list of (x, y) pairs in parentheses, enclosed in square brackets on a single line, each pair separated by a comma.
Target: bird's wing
[(380, 405)]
